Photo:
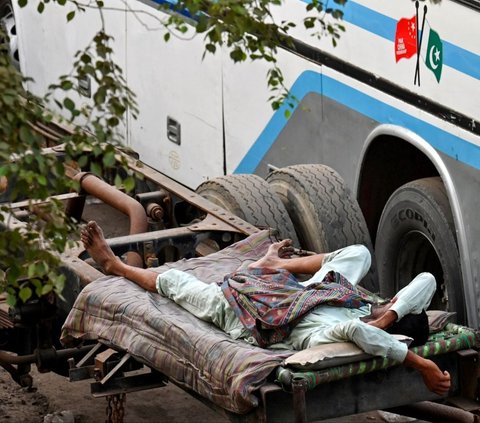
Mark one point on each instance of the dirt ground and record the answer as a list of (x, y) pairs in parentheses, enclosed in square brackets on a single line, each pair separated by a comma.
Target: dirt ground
[(54, 397), (54, 394)]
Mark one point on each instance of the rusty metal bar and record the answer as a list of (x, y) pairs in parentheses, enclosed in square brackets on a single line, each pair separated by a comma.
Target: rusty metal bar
[(27, 203), (299, 387), (433, 412), (189, 196), (120, 201), (36, 357), (469, 374), (112, 372)]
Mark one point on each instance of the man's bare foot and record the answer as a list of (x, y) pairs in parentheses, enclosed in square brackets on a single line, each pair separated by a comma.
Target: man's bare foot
[(381, 316), (386, 320), (96, 245), (275, 256)]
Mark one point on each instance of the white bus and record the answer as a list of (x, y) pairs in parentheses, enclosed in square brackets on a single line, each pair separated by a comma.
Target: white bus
[(394, 108)]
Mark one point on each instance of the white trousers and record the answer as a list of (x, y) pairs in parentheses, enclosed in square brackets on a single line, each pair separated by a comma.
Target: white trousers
[(325, 324), (328, 324)]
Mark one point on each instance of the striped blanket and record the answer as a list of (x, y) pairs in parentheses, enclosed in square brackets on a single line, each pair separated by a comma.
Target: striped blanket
[(269, 302), (153, 329)]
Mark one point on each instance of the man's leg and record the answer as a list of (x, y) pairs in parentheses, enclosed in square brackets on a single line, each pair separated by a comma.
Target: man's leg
[(353, 262), (412, 299), (416, 296), (205, 301), (96, 245)]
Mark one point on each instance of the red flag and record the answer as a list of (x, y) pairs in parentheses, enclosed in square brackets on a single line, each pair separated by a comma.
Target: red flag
[(406, 38)]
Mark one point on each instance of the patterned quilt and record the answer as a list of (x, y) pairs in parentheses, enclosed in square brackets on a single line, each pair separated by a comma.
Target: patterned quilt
[(192, 353)]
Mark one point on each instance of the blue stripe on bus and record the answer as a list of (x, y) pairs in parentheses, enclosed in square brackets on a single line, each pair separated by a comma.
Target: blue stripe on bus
[(384, 26), (368, 19), (313, 82), (170, 4)]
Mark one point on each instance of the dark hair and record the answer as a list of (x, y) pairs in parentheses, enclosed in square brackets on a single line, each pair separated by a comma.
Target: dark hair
[(413, 325)]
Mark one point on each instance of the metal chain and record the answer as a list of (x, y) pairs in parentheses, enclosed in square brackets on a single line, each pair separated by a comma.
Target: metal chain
[(115, 408)]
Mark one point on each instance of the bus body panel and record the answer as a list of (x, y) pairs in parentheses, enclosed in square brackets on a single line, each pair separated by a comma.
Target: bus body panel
[(348, 97), (174, 85)]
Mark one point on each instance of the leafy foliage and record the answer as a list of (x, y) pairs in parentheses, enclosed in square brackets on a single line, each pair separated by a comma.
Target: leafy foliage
[(31, 175)]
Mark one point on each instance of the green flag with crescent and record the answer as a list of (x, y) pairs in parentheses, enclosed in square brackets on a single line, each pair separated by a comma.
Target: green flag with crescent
[(434, 55)]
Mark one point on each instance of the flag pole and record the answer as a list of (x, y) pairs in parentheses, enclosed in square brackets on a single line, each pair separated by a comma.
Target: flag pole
[(419, 43), (416, 38)]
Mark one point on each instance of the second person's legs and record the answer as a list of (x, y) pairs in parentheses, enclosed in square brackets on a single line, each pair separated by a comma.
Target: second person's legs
[(353, 262)]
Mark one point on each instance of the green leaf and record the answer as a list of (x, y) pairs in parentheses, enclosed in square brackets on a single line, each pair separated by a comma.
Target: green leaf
[(26, 135), (41, 7), (11, 299), (85, 58), (70, 15), (109, 159), (210, 47), (46, 289), (22, 3), (66, 85), (25, 293), (129, 183), (118, 181), (95, 168), (69, 104), (42, 180), (31, 270), (82, 161)]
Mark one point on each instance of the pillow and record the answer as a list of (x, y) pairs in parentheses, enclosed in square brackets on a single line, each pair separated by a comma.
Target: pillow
[(330, 355), (326, 355), (438, 319)]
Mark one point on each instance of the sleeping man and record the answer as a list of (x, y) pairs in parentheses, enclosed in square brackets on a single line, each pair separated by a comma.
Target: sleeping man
[(265, 305)]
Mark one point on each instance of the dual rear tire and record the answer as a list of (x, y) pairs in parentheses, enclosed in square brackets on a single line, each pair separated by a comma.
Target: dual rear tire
[(309, 204)]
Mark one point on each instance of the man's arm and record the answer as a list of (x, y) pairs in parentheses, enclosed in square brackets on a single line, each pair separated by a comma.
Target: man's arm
[(435, 380), (279, 254), (376, 341)]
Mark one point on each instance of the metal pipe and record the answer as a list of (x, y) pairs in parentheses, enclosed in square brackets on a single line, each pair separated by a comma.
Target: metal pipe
[(7, 358), (433, 412), (120, 201)]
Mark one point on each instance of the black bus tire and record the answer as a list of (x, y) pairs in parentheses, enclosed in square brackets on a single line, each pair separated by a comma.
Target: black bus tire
[(252, 199), (325, 214), (416, 233)]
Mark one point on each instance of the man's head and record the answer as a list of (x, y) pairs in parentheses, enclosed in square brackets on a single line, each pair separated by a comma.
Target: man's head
[(413, 325)]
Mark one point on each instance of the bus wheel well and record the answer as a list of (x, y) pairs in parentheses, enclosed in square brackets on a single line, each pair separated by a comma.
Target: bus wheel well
[(388, 163)]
